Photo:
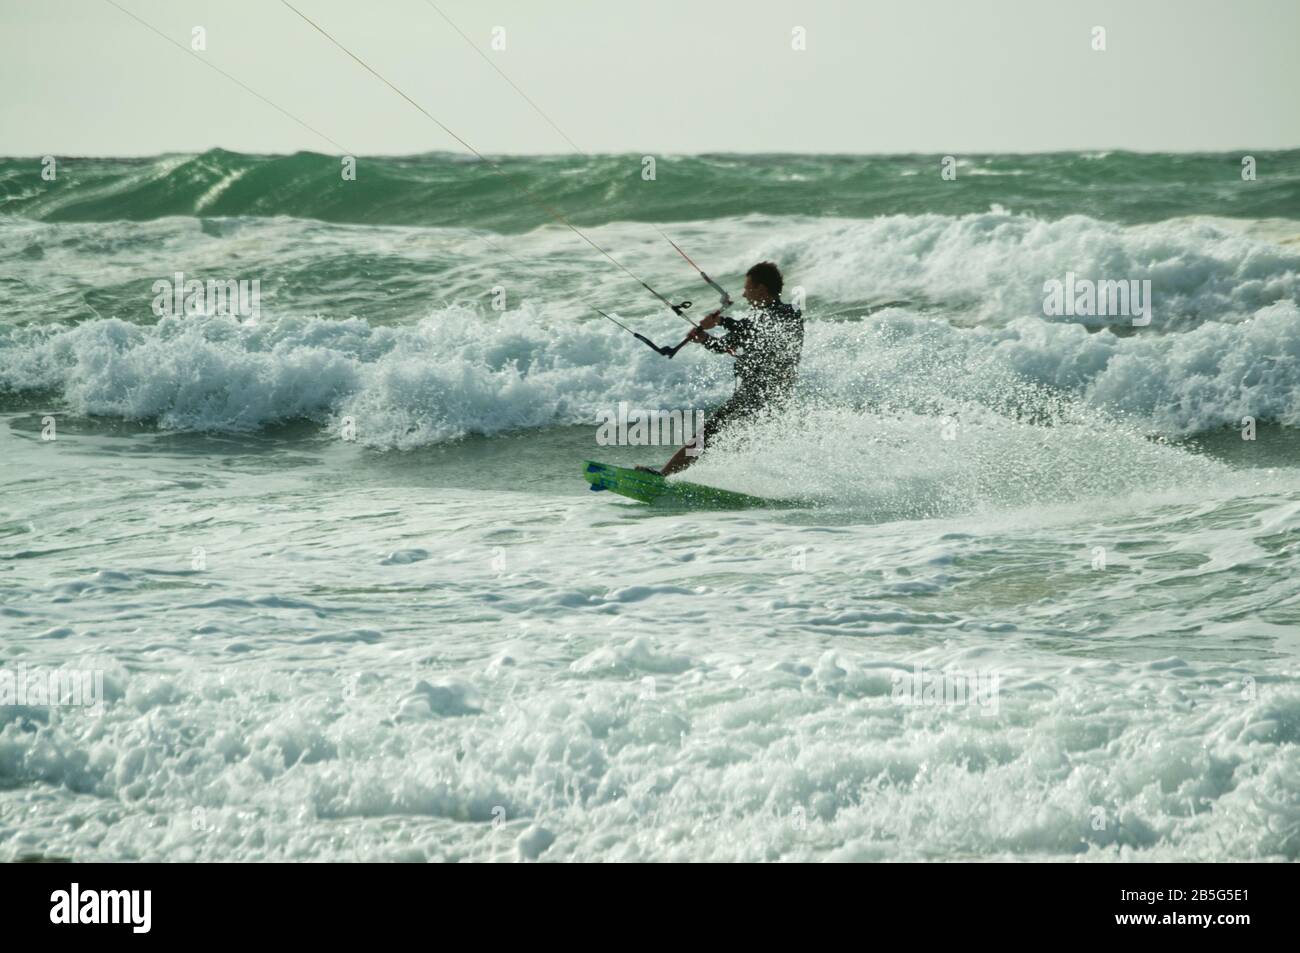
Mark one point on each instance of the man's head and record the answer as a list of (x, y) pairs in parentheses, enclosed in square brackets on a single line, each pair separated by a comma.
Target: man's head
[(763, 284)]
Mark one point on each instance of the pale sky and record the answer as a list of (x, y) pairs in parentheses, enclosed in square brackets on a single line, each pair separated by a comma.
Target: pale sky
[(655, 76)]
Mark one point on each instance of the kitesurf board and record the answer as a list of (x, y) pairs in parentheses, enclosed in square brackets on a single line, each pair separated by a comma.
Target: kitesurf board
[(653, 489)]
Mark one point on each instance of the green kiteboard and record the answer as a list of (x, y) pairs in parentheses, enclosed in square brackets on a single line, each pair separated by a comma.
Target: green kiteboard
[(653, 489)]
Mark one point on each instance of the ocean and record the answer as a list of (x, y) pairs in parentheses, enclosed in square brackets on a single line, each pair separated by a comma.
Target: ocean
[(331, 573)]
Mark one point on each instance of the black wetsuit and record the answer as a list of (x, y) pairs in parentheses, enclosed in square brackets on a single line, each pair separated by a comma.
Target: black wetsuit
[(767, 347)]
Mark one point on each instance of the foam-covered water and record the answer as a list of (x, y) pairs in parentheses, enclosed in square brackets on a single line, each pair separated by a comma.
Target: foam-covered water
[(349, 598), (965, 298)]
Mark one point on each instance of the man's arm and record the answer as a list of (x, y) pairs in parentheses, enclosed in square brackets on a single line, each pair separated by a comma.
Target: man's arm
[(736, 331), (715, 345)]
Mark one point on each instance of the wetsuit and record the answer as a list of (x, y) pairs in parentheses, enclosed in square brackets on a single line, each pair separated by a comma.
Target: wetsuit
[(767, 347)]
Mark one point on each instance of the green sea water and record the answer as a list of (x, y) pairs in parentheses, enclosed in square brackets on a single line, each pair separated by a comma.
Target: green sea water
[(440, 190)]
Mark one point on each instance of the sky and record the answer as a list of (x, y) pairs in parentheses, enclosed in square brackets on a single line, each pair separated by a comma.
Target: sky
[(665, 76)]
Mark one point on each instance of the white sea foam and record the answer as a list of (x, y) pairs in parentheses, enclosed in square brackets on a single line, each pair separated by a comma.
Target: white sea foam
[(455, 372), (1221, 346), (738, 705)]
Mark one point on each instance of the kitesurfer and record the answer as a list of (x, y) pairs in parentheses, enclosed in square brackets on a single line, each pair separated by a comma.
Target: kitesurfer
[(767, 345)]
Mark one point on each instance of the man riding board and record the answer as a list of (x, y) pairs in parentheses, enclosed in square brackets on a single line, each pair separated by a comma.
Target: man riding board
[(767, 346)]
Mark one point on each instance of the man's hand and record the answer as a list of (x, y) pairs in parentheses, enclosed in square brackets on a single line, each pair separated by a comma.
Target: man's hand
[(710, 320)]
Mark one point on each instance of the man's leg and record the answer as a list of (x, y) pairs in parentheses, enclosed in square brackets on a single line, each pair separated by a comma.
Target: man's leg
[(683, 458), (680, 461)]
